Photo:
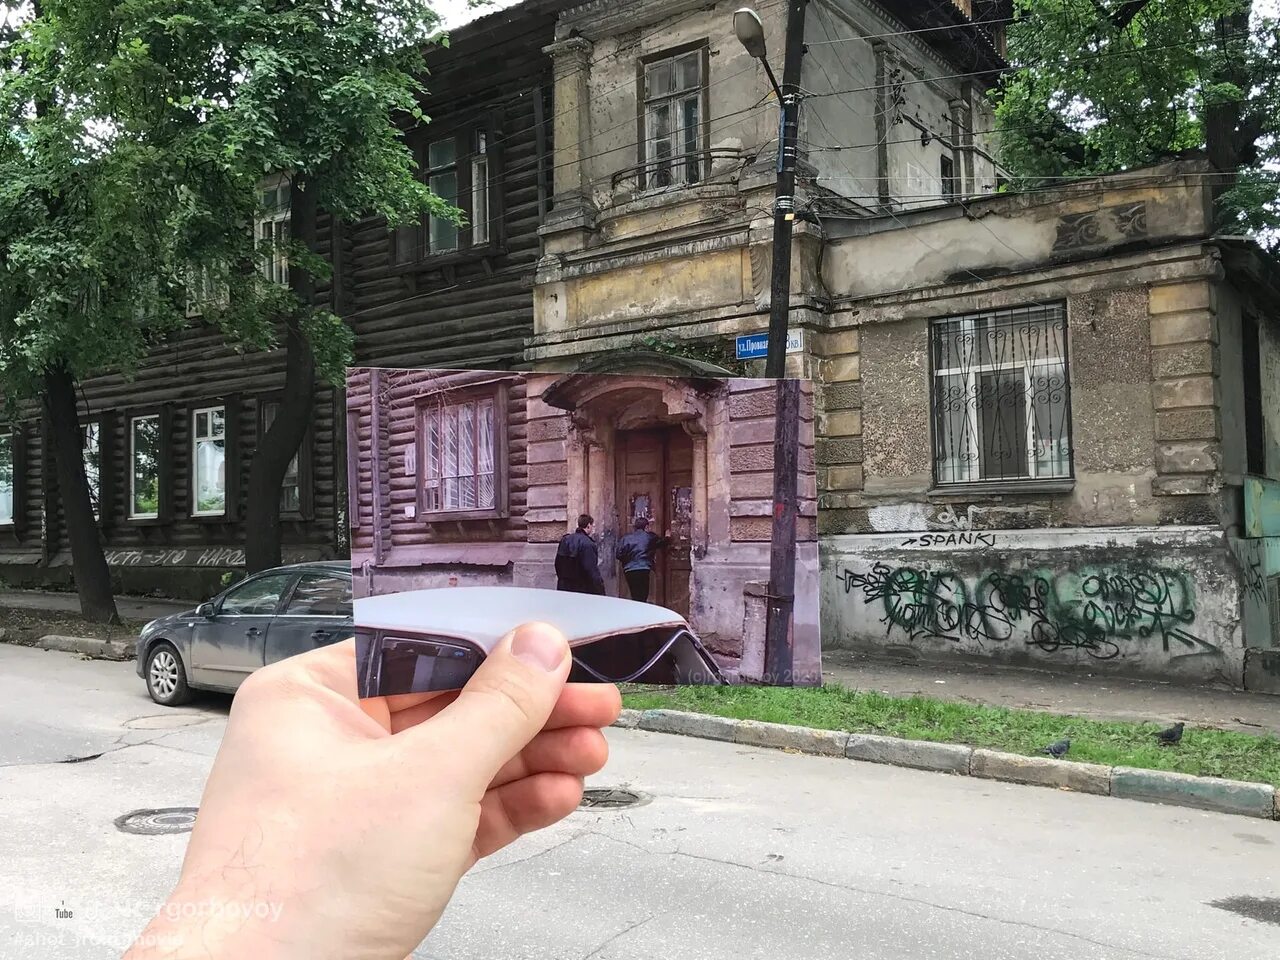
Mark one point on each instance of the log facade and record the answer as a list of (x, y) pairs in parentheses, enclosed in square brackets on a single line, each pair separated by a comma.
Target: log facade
[(423, 296)]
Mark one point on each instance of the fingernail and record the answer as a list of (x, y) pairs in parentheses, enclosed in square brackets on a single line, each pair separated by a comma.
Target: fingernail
[(539, 645)]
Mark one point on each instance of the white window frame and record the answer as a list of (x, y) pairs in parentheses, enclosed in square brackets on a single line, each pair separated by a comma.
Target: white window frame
[(133, 466), (92, 430), (203, 291), (295, 465), (972, 410), (272, 227), (480, 206), (195, 459), (6, 441)]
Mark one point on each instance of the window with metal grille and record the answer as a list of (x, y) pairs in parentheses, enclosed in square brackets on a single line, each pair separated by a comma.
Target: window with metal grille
[(1001, 396), (673, 142), (458, 458)]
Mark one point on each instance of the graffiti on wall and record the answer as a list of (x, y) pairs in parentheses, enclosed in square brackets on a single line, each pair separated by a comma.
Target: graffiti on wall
[(1092, 611), (210, 557)]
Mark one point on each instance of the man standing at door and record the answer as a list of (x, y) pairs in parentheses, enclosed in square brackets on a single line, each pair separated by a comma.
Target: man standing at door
[(578, 561), (637, 552)]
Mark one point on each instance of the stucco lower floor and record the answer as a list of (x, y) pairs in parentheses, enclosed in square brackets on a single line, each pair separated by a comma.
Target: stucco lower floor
[(1167, 603)]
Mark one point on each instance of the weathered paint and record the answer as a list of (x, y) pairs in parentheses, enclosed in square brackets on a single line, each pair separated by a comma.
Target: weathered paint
[(1261, 507), (1136, 601)]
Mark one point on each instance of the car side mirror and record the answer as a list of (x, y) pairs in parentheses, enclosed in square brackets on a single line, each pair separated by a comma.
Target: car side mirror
[(206, 610)]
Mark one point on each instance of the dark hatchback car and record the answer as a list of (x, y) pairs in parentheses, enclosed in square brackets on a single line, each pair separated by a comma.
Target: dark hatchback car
[(264, 618)]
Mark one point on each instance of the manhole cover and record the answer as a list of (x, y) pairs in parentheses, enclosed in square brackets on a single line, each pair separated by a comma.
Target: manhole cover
[(1262, 909), (154, 822), (611, 798)]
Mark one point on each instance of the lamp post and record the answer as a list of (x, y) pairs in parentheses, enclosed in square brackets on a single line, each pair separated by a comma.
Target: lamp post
[(779, 655)]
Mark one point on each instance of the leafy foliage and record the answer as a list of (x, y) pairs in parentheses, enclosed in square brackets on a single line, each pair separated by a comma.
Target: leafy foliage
[(716, 352), (134, 137), (1103, 85)]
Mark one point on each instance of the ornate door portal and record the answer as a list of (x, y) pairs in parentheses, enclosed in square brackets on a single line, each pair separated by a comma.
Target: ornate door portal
[(655, 480)]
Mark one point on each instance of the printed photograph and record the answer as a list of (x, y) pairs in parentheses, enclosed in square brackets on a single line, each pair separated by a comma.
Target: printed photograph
[(634, 513)]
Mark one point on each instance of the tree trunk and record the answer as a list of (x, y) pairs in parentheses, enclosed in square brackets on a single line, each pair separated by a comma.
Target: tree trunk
[(88, 562), (262, 546)]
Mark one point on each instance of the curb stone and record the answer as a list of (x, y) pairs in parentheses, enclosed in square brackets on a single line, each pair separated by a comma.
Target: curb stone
[(90, 647), (1041, 772), (628, 719), (1206, 793), (688, 724), (1237, 797), (780, 736), (920, 754)]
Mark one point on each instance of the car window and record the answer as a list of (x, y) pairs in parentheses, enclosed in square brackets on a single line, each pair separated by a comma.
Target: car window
[(258, 597), (318, 595), (422, 666)]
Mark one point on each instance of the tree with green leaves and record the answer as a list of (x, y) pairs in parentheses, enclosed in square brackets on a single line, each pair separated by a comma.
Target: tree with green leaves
[(134, 141), (1104, 85)]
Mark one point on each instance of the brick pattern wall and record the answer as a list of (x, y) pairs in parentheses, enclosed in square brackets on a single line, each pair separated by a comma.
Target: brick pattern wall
[(839, 420), (752, 407), (1185, 389), (548, 472)]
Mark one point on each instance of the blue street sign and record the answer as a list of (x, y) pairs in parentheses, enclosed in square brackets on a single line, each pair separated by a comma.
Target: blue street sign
[(755, 346), (752, 346)]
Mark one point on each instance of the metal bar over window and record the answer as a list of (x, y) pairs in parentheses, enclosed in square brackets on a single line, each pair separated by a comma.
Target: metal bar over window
[(1001, 398)]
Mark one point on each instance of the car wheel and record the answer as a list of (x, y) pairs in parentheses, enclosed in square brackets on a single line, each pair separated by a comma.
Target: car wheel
[(166, 676)]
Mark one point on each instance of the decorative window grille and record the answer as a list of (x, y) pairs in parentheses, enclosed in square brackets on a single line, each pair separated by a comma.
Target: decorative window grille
[(1001, 396)]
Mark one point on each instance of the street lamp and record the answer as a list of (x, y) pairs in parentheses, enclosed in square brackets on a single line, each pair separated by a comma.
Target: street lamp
[(750, 33), (779, 656)]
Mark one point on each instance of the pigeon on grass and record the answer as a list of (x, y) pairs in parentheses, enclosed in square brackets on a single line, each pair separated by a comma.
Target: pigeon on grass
[(1058, 748)]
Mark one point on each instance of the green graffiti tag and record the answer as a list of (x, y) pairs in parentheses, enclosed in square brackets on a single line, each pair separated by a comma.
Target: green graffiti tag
[(1089, 611)]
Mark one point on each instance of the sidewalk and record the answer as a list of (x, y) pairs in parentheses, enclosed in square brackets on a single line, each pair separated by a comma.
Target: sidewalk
[(1085, 695), (129, 608)]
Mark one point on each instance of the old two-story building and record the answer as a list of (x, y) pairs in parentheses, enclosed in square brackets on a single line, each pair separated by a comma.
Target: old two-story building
[(471, 478), (168, 451), (1049, 433), (1042, 417), (666, 134)]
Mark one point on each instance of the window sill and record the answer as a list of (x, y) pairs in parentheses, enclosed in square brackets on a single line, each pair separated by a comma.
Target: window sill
[(145, 521), (1028, 487), (220, 518), (440, 260), (462, 515)]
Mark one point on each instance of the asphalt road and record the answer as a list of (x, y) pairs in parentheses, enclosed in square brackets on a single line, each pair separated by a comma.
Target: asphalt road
[(739, 853)]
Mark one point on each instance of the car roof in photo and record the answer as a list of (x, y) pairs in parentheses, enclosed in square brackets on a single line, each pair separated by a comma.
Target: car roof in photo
[(316, 566), (484, 615)]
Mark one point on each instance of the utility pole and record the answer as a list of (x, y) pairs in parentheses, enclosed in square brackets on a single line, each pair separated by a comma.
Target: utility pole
[(779, 655)]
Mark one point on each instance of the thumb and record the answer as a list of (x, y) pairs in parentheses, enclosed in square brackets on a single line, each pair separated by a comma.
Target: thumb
[(505, 704)]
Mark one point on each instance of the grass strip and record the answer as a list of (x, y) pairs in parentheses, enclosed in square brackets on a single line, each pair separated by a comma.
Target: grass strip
[(1203, 752)]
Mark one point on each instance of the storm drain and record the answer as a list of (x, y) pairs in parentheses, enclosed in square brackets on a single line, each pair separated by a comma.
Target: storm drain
[(1262, 909), (156, 822), (611, 798)]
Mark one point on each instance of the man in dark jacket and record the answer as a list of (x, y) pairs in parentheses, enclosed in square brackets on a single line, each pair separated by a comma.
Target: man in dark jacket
[(637, 552), (578, 562)]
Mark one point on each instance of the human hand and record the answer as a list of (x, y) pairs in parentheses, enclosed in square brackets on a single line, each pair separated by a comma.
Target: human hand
[(341, 826)]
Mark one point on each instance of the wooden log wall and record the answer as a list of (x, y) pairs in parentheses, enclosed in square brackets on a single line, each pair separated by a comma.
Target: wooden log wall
[(468, 310)]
